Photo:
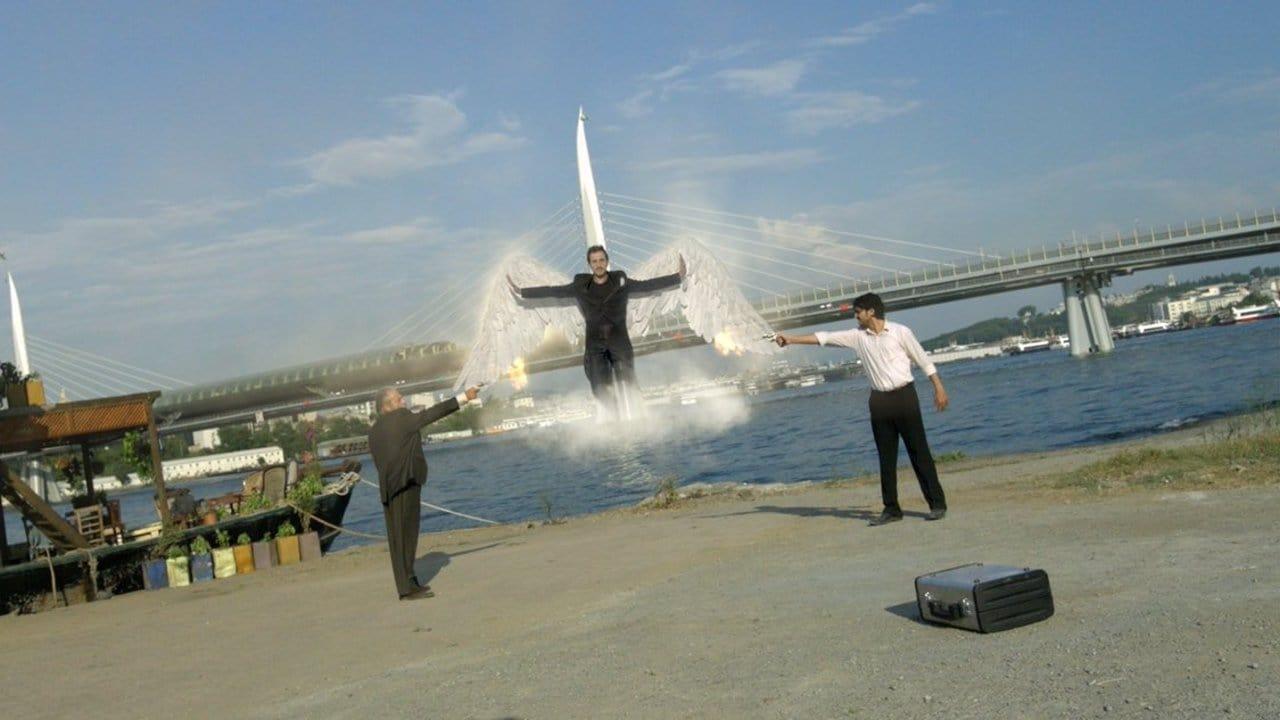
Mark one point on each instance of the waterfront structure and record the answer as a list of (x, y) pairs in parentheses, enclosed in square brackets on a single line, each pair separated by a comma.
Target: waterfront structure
[(220, 463), (1200, 302)]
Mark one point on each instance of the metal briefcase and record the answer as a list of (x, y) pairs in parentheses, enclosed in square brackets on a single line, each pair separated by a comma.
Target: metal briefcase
[(985, 598)]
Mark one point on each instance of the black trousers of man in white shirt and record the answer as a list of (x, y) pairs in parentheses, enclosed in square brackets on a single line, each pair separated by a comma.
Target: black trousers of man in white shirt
[(896, 414)]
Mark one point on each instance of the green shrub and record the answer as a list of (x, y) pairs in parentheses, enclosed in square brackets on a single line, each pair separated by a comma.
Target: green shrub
[(286, 529), (200, 546), (243, 539)]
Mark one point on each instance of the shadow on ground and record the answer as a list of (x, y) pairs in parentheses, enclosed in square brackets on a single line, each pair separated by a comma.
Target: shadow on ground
[(430, 565), (853, 513)]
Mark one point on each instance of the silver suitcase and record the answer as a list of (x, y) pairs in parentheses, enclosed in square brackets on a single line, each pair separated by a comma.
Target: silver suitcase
[(985, 598)]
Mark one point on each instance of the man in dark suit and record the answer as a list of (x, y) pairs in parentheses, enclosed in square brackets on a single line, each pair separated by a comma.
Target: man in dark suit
[(395, 442), (602, 297)]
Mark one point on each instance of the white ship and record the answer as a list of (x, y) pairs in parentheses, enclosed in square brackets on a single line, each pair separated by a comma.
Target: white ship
[(1250, 313)]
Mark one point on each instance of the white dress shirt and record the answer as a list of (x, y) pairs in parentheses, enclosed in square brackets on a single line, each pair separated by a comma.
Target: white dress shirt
[(886, 357)]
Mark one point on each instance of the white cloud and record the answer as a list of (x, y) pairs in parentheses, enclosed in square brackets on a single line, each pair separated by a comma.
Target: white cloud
[(1250, 87), (437, 135), (779, 78), (420, 230), (722, 164), (823, 111), (868, 31)]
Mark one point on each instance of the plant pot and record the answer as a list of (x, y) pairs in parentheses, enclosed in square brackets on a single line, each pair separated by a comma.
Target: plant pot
[(201, 568), (287, 547), (209, 518), (155, 575), (244, 559), (224, 563), (309, 546), (25, 394), (264, 555), (179, 571)]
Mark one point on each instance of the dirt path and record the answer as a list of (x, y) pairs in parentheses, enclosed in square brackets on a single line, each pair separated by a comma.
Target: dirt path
[(783, 606)]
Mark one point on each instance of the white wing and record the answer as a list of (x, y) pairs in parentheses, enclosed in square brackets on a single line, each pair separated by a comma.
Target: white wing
[(511, 328), (712, 303)]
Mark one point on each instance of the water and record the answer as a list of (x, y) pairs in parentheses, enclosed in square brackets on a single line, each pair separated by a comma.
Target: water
[(1026, 403)]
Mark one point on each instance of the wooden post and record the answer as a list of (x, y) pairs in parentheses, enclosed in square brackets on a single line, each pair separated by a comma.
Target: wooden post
[(157, 469), (4, 538), (85, 460)]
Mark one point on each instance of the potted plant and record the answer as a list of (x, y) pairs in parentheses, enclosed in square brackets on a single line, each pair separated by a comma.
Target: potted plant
[(155, 571), (21, 391), (209, 515), (244, 554), (304, 498), (224, 558), (201, 560), (287, 543), (179, 566), (264, 552)]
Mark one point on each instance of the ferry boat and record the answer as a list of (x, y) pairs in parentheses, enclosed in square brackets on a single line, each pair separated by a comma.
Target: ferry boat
[(1156, 326), (1023, 345), (1250, 313)]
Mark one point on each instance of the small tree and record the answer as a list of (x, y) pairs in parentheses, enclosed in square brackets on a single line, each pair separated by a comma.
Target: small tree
[(135, 451)]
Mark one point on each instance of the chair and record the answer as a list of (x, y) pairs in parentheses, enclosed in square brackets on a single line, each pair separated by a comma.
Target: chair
[(114, 527), (273, 484), (88, 521)]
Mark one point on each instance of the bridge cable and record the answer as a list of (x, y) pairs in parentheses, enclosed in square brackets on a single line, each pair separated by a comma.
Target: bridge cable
[(109, 361), (122, 382), (844, 233), (813, 240), (433, 305)]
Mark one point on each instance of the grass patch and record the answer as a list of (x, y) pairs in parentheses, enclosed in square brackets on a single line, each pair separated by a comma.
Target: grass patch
[(1232, 457), (947, 457)]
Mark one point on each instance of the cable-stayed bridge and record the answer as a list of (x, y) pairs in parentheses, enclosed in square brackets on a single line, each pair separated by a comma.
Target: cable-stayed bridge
[(797, 274)]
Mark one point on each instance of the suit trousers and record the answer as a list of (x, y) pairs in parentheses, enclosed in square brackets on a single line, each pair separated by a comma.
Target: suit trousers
[(404, 519), (605, 363), (896, 414)]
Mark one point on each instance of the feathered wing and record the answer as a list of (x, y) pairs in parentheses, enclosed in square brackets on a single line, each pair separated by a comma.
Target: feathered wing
[(511, 328), (712, 303)]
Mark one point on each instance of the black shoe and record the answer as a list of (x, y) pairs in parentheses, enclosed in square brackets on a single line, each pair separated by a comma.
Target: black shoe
[(885, 518), (420, 594), (936, 514)]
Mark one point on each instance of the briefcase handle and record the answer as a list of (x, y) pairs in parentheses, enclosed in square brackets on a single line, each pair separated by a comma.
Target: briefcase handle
[(946, 611)]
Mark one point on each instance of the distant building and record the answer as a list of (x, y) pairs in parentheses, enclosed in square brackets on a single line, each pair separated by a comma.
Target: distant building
[(220, 463), (525, 401), (205, 439), (1201, 302)]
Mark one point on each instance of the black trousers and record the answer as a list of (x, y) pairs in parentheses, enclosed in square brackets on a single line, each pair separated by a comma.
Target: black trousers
[(896, 414), (605, 362), (403, 516)]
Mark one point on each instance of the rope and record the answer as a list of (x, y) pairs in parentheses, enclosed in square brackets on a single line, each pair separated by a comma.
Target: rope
[(442, 509), (336, 528)]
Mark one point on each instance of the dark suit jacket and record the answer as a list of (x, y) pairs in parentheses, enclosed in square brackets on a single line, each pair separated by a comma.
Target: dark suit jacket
[(396, 446), (605, 315)]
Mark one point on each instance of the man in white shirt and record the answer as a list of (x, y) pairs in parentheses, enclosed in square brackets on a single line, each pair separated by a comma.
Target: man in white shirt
[(887, 351)]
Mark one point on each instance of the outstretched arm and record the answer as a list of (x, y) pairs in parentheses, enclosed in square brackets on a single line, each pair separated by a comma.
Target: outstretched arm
[(424, 418), (785, 340), (662, 282), (548, 291)]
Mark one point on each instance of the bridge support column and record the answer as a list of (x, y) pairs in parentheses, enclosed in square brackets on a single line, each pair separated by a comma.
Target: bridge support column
[(1099, 328), (1081, 346)]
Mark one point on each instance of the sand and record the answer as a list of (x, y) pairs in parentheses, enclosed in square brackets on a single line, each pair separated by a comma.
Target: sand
[(783, 605)]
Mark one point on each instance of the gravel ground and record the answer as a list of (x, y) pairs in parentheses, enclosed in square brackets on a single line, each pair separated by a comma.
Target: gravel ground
[(778, 605)]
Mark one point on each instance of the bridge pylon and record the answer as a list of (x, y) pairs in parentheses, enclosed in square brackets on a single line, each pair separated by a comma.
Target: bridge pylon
[(1087, 324)]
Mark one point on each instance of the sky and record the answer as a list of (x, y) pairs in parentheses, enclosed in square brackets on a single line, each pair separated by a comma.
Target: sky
[(208, 190)]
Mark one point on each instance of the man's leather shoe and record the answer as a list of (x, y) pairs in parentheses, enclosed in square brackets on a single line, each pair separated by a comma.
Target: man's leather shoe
[(420, 594), (936, 514), (885, 518)]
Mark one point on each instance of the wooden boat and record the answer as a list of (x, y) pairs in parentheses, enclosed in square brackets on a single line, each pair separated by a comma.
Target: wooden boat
[(118, 569)]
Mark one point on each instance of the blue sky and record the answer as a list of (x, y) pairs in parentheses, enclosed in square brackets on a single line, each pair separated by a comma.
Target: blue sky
[(208, 190)]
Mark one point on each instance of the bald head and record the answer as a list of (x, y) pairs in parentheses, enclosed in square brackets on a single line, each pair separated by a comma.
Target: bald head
[(389, 399)]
